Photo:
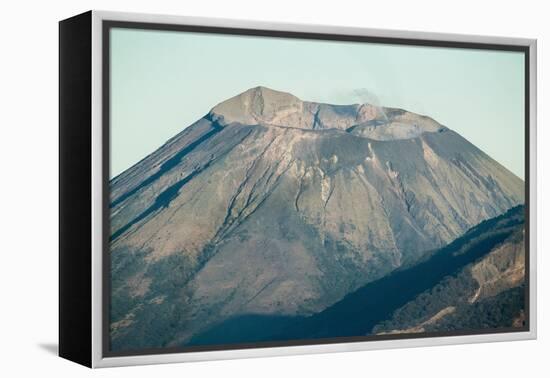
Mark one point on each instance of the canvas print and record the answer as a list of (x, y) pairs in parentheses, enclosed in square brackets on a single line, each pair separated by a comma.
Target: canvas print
[(279, 191)]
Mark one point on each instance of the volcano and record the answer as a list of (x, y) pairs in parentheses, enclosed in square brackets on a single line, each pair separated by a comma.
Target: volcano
[(274, 206)]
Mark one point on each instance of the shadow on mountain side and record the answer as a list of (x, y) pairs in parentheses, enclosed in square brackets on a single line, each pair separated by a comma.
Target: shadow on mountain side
[(244, 329), (360, 311)]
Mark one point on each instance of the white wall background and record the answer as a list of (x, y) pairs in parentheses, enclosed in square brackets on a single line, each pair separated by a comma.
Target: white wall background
[(28, 187)]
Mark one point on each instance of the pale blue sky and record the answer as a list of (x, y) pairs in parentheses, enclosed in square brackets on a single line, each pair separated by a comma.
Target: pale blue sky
[(163, 81)]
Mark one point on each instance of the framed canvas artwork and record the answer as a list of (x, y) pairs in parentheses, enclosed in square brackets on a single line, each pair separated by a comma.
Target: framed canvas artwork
[(234, 189)]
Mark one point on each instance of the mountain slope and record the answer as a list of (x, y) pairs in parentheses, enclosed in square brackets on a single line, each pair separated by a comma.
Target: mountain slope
[(438, 293), (272, 205), (476, 282)]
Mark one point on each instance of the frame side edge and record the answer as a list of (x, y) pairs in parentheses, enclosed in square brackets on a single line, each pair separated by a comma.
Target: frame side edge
[(533, 188), (74, 189)]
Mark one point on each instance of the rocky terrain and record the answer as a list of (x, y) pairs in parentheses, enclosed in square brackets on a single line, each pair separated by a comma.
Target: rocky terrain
[(273, 206)]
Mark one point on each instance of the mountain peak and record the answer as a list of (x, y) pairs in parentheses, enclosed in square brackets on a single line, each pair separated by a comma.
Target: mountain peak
[(268, 92), (268, 107), (256, 105)]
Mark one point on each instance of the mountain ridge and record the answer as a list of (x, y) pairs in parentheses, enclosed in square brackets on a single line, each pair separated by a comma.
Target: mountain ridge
[(267, 107)]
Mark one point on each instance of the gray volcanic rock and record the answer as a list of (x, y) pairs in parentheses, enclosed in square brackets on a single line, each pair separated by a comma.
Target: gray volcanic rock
[(273, 205)]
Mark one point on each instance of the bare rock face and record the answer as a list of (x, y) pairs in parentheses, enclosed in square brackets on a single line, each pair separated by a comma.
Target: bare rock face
[(502, 269), (272, 205)]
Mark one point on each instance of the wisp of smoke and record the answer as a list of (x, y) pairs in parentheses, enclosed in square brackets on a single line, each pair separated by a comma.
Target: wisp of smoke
[(364, 96)]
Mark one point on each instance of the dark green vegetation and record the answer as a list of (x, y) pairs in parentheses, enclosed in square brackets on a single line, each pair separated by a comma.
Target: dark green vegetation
[(499, 311)]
